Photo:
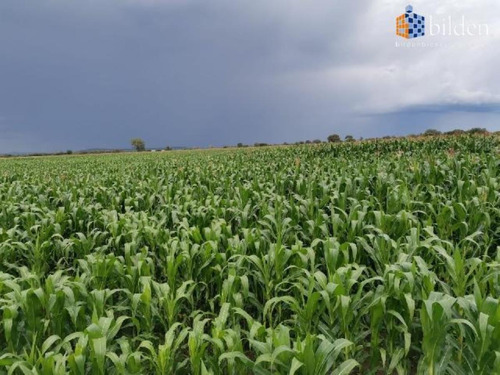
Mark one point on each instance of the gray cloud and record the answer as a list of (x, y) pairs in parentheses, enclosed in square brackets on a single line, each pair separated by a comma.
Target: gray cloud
[(96, 73)]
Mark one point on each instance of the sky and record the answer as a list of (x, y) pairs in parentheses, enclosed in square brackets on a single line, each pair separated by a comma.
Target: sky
[(80, 74)]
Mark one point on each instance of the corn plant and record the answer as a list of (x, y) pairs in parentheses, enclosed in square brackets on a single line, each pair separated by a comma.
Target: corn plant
[(357, 258)]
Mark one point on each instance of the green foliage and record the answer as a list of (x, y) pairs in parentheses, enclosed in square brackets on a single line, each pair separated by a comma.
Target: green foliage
[(477, 131), (455, 132), (334, 138), (138, 144), (374, 257), (431, 132)]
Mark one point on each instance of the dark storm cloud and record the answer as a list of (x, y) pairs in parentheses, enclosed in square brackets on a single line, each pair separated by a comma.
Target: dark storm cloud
[(81, 74)]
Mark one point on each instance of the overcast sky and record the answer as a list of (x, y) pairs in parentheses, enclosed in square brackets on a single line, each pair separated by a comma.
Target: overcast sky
[(77, 74)]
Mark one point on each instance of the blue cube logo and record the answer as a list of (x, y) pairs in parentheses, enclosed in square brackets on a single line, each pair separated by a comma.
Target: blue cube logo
[(410, 25)]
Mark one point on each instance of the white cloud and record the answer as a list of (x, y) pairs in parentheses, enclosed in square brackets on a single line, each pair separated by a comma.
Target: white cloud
[(383, 78)]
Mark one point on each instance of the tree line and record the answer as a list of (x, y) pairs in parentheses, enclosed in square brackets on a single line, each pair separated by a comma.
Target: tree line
[(139, 145)]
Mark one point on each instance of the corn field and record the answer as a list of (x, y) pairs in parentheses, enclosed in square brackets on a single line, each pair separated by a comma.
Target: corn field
[(376, 257)]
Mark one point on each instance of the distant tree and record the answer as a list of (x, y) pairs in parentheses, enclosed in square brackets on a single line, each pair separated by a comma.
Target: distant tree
[(240, 144), (260, 144), (69, 152), (455, 132), (334, 138), (349, 138), (138, 144), (431, 133), (167, 148), (308, 141), (317, 141), (477, 131)]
